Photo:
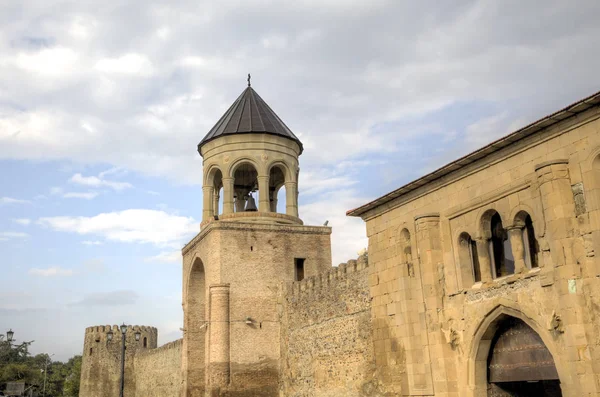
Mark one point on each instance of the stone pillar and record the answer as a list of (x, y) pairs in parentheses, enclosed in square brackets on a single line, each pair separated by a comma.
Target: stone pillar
[(207, 203), (580, 333), (216, 202), (219, 371), (239, 201), (263, 194), (227, 195), (515, 234), (291, 198), (558, 204), (485, 263), (274, 202)]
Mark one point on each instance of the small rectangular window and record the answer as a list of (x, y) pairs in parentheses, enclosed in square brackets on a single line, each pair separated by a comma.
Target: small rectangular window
[(299, 269)]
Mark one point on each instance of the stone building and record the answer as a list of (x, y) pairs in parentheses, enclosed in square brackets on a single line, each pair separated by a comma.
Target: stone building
[(481, 277), (483, 273)]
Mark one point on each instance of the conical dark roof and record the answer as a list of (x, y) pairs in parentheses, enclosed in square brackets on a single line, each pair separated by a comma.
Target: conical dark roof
[(249, 113)]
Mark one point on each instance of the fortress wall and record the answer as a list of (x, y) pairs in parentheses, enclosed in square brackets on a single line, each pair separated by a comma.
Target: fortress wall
[(101, 360), (327, 349), (158, 371)]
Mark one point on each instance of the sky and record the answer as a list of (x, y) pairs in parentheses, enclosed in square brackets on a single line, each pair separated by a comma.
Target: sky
[(102, 104)]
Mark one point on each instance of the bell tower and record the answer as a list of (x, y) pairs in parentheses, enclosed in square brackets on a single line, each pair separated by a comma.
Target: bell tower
[(250, 153), (249, 244)]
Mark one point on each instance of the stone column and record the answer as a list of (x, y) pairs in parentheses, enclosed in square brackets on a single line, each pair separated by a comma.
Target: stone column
[(263, 193), (558, 204), (515, 234), (485, 263), (216, 202), (580, 332), (291, 198), (227, 195), (239, 201), (274, 202), (207, 203), (219, 336)]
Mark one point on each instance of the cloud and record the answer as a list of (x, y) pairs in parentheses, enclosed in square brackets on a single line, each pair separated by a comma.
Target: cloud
[(129, 226), (128, 64), (113, 298), (166, 257), (94, 265), (334, 85), (10, 200), (94, 181), (23, 221), (51, 272), (4, 236), (348, 234), (81, 195), (92, 242)]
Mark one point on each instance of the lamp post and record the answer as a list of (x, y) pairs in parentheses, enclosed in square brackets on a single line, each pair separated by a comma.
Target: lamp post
[(109, 336)]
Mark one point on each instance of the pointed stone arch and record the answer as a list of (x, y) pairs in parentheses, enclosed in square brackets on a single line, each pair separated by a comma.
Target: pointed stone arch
[(477, 372)]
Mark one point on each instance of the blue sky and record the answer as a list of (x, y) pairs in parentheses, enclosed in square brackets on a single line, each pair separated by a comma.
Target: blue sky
[(102, 105)]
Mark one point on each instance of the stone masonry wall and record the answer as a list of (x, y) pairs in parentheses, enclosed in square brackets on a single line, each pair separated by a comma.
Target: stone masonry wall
[(158, 371), (433, 322), (326, 334)]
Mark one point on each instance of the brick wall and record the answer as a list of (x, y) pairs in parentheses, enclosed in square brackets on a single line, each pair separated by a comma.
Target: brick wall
[(158, 371), (326, 334)]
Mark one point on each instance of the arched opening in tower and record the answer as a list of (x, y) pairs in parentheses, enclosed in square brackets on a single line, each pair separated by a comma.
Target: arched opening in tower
[(277, 191), (217, 192), (245, 188)]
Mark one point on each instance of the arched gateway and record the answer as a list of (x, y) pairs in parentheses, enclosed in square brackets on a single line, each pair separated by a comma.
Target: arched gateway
[(519, 363)]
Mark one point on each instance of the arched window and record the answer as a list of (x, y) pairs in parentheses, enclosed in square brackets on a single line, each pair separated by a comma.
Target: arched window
[(530, 244), (468, 260), (406, 251), (145, 342), (217, 193), (277, 193), (245, 188), (500, 248)]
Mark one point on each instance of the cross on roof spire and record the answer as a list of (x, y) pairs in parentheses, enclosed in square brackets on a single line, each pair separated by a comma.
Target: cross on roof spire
[(249, 79)]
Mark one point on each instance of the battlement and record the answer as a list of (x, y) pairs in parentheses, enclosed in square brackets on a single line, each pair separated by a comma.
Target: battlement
[(117, 329), (176, 344), (313, 284)]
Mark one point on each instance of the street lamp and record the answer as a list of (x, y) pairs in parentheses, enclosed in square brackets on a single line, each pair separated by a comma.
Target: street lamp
[(9, 335), (109, 337)]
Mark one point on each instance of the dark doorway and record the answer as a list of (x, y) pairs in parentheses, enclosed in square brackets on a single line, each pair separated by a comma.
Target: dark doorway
[(519, 364)]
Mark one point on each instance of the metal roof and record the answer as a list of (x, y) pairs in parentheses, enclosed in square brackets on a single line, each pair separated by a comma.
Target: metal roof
[(249, 114), (563, 114)]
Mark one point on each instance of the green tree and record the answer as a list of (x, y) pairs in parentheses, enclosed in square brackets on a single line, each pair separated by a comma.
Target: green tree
[(17, 365), (71, 385)]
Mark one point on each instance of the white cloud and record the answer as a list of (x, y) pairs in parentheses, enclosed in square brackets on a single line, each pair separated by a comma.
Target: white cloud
[(128, 64), (112, 298), (81, 195), (130, 226), (166, 257), (348, 233), (49, 62), (91, 242), (94, 181), (51, 272), (56, 190), (4, 236), (10, 200), (22, 221)]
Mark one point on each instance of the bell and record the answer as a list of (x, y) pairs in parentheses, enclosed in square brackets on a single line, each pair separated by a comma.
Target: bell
[(250, 204)]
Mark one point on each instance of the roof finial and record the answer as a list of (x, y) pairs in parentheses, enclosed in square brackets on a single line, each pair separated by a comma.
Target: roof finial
[(249, 79)]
